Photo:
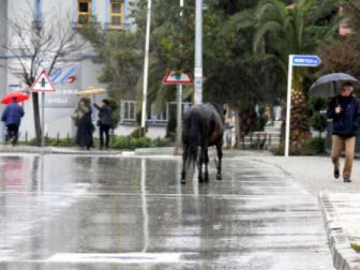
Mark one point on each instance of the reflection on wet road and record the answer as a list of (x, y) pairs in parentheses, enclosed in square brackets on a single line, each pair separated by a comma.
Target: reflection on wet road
[(69, 212)]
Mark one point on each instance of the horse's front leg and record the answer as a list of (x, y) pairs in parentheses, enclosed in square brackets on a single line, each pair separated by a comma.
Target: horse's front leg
[(183, 172), (220, 155)]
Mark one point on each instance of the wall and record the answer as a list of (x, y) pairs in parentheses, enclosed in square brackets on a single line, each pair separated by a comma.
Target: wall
[(3, 61)]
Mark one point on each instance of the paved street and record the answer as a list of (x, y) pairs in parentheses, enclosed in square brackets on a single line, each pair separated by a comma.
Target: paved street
[(82, 212)]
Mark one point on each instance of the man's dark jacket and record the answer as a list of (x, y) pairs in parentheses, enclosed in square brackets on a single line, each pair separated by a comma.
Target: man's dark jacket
[(346, 123), (12, 114), (105, 115)]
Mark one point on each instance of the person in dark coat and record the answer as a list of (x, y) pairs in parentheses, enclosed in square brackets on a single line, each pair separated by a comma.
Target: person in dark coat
[(12, 117), (83, 122), (105, 122), (344, 110)]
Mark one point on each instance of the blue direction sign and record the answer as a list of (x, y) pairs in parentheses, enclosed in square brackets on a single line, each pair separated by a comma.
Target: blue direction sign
[(306, 60)]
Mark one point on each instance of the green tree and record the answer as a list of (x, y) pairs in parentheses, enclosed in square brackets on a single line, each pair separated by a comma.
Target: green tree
[(298, 29), (345, 47), (234, 74), (171, 48), (121, 56)]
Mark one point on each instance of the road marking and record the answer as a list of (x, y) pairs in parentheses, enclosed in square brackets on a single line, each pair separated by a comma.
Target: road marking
[(115, 258)]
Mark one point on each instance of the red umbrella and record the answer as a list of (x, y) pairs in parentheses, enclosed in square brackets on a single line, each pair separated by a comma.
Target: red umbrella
[(20, 96)]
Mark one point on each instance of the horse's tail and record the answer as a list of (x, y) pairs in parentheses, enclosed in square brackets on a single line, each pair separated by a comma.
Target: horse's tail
[(193, 138)]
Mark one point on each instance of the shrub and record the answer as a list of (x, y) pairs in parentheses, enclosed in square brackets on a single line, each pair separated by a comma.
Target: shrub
[(117, 142), (167, 142), (314, 146), (318, 120), (143, 142), (355, 247), (130, 143), (136, 133)]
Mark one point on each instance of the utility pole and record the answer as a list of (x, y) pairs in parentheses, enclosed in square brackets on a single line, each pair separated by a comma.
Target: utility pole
[(146, 70), (198, 53), (179, 91)]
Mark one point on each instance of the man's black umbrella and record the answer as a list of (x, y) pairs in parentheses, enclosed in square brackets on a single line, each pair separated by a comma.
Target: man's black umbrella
[(329, 85)]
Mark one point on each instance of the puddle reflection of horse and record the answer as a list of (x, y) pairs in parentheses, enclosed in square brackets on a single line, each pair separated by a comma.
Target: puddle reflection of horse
[(203, 127)]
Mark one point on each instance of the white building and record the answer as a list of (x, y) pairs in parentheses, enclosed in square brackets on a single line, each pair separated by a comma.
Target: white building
[(72, 75)]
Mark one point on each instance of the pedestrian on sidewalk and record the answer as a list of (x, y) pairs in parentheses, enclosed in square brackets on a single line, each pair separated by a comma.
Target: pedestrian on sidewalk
[(83, 122), (277, 109), (12, 117), (104, 123), (344, 109)]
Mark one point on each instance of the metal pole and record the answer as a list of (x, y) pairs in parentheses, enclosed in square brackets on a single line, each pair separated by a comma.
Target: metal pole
[(198, 53), (144, 207), (179, 94), (43, 119), (288, 109), (179, 110), (146, 68)]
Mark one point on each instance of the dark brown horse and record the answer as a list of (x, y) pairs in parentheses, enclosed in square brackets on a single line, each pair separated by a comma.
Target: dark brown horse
[(203, 126)]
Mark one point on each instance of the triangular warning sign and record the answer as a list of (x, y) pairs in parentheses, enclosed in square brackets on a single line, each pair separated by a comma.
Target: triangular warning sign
[(42, 83), (177, 78)]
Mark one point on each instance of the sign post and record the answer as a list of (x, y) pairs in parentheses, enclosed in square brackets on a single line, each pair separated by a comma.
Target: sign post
[(178, 78), (297, 61), (42, 84)]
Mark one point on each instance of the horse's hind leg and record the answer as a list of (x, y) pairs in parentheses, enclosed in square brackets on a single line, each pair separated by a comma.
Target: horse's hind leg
[(206, 165), (200, 165), (183, 172), (220, 155)]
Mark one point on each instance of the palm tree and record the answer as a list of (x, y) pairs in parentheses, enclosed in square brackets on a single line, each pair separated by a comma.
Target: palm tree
[(283, 30)]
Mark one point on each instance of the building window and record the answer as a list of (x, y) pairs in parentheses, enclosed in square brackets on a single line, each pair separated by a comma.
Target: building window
[(84, 12), (116, 14), (128, 111), (153, 116)]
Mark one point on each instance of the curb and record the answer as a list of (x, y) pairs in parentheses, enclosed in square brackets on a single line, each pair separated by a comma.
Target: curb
[(344, 257), (168, 151), (158, 151), (50, 150)]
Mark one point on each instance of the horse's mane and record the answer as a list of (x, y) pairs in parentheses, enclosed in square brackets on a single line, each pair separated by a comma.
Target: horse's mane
[(219, 109)]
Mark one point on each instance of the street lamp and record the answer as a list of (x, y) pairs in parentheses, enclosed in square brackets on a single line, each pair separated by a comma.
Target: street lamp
[(198, 53), (146, 69)]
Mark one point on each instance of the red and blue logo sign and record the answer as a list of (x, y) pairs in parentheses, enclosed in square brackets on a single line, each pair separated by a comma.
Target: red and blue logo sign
[(64, 76)]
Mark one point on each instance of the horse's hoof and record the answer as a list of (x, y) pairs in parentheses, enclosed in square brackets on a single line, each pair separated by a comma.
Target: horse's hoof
[(219, 177), (183, 181), (206, 179)]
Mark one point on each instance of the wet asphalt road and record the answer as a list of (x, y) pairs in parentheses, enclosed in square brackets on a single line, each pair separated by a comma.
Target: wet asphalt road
[(71, 212)]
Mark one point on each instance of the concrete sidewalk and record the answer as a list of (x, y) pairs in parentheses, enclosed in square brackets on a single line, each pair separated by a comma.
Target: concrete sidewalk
[(339, 202)]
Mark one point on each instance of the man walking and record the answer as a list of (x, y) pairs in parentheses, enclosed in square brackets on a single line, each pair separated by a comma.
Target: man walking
[(12, 117), (345, 112), (104, 122)]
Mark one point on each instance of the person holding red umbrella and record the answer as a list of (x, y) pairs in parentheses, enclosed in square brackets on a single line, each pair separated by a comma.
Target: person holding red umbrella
[(12, 117)]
